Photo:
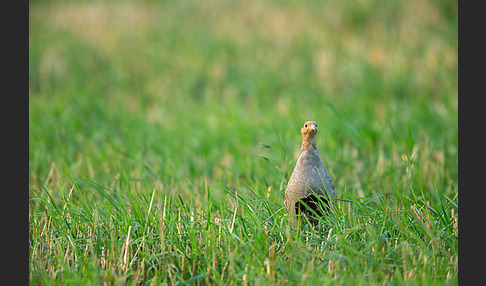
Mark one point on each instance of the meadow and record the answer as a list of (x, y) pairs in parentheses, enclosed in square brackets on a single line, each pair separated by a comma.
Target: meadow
[(162, 135)]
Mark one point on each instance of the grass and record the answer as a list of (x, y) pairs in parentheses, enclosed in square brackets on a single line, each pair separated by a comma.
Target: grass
[(162, 136)]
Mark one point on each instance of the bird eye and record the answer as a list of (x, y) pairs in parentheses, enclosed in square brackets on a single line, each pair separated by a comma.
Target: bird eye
[(305, 125)]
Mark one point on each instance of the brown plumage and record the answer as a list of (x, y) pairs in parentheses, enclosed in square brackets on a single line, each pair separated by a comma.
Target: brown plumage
[(309, 176)]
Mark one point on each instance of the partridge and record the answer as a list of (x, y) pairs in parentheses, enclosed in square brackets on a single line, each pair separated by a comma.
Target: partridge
[(309, 179)]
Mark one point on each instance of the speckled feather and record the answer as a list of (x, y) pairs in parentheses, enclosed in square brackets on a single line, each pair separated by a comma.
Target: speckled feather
[(309, 175)]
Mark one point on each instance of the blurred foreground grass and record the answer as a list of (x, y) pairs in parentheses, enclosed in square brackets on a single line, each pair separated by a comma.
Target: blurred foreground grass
[(193, 101)]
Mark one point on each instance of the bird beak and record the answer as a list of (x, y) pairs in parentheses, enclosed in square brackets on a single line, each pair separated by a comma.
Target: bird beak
[(313, 127)]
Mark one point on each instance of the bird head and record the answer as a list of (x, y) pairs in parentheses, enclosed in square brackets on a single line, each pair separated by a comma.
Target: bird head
[(309, 132), (309, 129)]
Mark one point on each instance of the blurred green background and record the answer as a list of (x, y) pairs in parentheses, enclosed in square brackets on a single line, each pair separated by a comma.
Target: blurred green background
[(162, 135), (196, 94)]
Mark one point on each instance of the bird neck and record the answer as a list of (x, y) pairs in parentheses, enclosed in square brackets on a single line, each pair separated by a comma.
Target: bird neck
[(308, 143)]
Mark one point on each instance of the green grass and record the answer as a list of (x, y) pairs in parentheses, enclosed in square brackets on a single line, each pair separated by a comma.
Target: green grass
[(162, 136)]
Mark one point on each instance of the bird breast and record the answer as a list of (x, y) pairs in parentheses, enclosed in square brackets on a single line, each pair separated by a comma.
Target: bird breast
[(309, 174)]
